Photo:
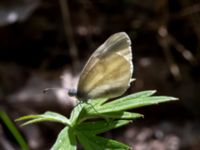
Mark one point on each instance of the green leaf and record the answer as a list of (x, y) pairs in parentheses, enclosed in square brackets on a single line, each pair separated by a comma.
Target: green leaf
[(98, 127), (47, 116), (128, 103), (94, 108), (147, 93), (77, 113), (142, 94), (16, 134), (98, 102), (103, 116), (66, 140), (92, 142), (121, 115), (115, 115)]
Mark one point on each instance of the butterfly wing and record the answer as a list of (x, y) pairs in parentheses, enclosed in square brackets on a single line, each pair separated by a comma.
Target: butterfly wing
[(108, 71)]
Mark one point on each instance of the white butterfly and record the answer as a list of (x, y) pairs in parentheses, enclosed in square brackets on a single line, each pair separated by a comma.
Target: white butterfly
[(108, 71)]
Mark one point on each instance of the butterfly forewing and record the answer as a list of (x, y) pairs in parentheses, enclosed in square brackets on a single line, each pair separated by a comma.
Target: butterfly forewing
[(108, 71)]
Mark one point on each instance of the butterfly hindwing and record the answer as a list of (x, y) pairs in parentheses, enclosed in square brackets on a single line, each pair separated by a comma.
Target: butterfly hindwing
[(108, 71)]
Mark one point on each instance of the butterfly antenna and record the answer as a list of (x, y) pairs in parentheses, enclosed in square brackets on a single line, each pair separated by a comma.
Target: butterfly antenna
[(50, 89)]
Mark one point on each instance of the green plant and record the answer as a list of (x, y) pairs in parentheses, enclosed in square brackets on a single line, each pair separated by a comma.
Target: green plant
[(13, 130), (88, 119)]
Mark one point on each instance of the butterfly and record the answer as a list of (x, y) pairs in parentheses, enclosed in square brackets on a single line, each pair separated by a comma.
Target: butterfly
[(108, 72)]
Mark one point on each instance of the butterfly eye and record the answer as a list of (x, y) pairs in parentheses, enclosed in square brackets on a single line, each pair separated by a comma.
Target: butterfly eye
[(72, 92)]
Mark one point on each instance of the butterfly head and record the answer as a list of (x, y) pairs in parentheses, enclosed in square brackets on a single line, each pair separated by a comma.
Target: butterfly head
[(72, 92), (79, 95)]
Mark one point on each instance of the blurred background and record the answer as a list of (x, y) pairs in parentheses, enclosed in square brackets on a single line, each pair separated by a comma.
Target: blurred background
[(44, 44)]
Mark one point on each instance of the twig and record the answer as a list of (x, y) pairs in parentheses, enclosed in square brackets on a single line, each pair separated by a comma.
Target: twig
[(69, 34), (165, 44), (187, 11), (181, 49)]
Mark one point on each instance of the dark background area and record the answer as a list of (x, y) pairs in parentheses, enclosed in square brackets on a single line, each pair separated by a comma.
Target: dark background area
[(46, 43)]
